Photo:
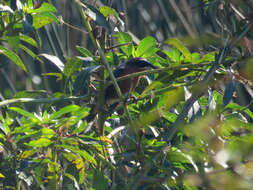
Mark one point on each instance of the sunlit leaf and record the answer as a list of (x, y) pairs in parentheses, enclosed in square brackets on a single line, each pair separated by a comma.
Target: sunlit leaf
[(123, 38), (84, 51), (180, 46), (45, 7), (55, 60), (12, 56), (2, 176), (42, 142), (27, 153), (42, 19), (28, 40), (146, 47), (24, 113), (64, 110)]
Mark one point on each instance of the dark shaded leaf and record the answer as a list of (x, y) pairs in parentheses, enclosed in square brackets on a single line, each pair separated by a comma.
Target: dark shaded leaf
[(82, 81), (229, 91), (100, 182)]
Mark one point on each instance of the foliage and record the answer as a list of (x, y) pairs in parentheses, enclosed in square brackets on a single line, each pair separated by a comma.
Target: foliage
[(190, 126)]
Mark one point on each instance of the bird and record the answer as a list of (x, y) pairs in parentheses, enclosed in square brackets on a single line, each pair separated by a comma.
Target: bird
[(126, 86)]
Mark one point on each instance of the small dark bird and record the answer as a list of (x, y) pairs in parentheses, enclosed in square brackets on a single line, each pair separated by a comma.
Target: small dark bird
[(126, 86)]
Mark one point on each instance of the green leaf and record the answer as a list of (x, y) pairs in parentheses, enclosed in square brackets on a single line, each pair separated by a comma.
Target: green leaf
[(72, 66), (82, 153), (84, 51), (100, 181), (98, 17), (26, 154), (146, 47), (123, 38), (28, 40), (45, 7), (47, 133), (180, 46), (42, 19), (64, 110), (105, 10), (173, 54), (58, 75), (24, 113), (12, 56), (30, 93), (29, 52), (42, 142), (14, 42), (2, 176)]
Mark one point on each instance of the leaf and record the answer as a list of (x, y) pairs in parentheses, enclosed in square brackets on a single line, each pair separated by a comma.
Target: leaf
[(58, 75), (100, 182), (180, 46), (82, 81), (42, 19), (4, 8), (84, 51), (29, 52), (2, 176), (123, 38), (14, 42), (42, 142), (26, 154), (82, 153), (24, 113), (47, 133), (211, 100), (45, 7), (64, 110), (105, 10), (146, 47), (97, 16), (59, 64), (229, 91), (30, 93), (28, 23), (72, 65), (28, 40), (12, 56)]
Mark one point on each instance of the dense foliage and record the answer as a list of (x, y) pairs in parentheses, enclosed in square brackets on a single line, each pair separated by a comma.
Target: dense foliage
[(189, 126)]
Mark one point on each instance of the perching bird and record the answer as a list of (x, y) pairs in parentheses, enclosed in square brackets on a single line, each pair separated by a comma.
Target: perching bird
[(126, 86)]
